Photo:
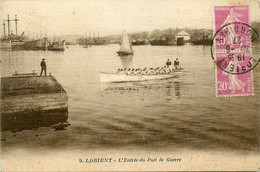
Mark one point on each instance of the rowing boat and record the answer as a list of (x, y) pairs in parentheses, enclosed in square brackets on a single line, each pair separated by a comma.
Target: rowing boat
[(114, 77)]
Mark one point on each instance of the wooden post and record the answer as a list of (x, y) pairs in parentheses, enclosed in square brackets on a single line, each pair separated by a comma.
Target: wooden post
[(15, 74)]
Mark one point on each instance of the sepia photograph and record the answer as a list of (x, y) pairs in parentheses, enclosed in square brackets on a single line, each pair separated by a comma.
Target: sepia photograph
[(130, 85)]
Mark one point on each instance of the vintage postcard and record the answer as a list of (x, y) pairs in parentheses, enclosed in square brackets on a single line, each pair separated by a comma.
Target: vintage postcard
[(130, 85)]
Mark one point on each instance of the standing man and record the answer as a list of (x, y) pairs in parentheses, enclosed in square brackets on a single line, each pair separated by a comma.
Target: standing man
[(169, 65), (176, 63), (43, 67)]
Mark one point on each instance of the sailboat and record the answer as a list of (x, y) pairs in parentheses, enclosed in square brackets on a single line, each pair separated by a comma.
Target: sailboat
[(125, 46)]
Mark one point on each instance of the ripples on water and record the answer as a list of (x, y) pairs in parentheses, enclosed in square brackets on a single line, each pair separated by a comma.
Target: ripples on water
[(180, 112)]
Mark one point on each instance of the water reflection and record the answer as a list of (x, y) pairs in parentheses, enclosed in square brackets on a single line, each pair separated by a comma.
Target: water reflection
[(22, 121), (126, 61), (177, 91), (171, 87)]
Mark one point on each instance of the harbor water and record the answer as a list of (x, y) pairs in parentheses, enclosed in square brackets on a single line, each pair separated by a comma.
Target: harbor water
[(177, 113)]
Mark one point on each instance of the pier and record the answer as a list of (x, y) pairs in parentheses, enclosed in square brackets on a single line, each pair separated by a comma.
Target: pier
[(29, 101)]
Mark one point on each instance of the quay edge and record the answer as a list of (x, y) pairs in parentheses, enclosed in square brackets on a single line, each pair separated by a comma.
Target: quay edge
[(32, 101)]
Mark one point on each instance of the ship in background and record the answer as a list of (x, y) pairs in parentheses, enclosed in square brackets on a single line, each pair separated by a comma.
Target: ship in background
[(10, 40), (5, 43), (89, 41), (140, 42), (57, 45), (38, 44), (21, 42), (166, 41), (203, 38), (169, 39)]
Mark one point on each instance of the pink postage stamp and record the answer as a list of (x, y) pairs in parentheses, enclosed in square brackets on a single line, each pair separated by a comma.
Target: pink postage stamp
[(232, 51)]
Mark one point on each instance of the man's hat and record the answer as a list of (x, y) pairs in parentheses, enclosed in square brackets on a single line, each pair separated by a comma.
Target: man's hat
[(43, 59)]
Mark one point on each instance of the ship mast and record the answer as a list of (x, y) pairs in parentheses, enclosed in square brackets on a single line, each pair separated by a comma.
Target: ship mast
[(4, 27), (8, 21), (16, 20)]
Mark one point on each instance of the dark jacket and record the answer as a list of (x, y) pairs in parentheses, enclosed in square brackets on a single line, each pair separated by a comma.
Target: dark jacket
[(43, 64)]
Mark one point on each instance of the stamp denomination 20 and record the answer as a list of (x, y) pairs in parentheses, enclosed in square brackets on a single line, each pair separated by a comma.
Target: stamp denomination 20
[(231, 50)]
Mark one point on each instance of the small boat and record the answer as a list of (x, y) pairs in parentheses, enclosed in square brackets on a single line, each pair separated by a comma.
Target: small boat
[(57, 46), (114, 77), (125, 46)]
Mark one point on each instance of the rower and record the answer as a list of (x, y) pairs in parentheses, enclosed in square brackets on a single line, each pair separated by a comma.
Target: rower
[(161, 70), (128, 72), (139, 71), (136, 71), (157, 71), (165, 69), (133, 71), (143, 72), (176, 63), (169, 65)]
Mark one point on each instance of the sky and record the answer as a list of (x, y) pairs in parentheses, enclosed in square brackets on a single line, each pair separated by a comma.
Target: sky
[(106, 17)]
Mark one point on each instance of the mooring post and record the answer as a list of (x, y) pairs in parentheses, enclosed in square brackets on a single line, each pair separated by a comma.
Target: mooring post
[(33, 73), (15, 74)]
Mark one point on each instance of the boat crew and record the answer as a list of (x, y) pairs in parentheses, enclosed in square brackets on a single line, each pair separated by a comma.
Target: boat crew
[(157, 71), (151, 71), (161, 70), (139, 71), (176, 63), (169, 65), (128, 72), (145, 71), (121, 71), (133, 72)]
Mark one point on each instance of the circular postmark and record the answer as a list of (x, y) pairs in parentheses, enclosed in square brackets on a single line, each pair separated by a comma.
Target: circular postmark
[(231, 48)]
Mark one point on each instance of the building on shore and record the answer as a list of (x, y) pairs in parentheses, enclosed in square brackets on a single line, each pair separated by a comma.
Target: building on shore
[(183, 34)]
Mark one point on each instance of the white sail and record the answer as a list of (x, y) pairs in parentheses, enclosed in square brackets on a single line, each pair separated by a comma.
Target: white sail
[(126, 45)]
